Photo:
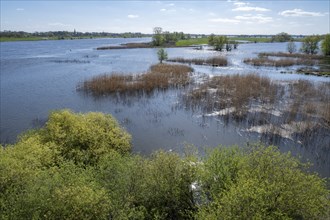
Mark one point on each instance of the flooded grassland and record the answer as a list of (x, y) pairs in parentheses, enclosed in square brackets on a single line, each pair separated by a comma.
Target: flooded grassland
[(211, 98)]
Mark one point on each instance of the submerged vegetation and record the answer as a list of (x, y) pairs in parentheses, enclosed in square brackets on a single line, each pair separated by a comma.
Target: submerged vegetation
[(265, 61), (79, 167), (160, 76), (231, 94), (212, 61), (297, 111)]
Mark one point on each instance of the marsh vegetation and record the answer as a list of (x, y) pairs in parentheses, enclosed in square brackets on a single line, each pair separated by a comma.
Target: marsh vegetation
[(159, 76), (211, 61), (298, 111)]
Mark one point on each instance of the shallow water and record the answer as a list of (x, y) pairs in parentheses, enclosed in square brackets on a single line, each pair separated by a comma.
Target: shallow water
[(39, 77)]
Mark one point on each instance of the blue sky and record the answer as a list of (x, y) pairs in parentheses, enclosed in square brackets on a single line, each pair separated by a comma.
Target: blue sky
[(205, 17)]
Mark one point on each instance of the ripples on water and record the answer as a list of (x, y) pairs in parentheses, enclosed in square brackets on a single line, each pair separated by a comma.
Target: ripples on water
[(38, 77)]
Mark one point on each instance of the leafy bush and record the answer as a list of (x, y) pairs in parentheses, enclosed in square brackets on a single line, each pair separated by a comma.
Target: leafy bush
[(310, 45), (262, 183), (84, 138), (42, 177)]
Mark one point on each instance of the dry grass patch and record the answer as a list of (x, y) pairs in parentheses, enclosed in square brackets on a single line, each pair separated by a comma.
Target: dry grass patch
[(160, 76), (291, 55), (265, 61), (234, 92), (212, 61)]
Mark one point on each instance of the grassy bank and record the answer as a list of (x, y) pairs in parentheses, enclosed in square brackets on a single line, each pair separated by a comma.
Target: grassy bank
[(10, 39), (191, 42)]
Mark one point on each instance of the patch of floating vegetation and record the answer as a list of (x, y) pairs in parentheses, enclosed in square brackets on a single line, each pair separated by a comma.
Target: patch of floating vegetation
[(71, 61)]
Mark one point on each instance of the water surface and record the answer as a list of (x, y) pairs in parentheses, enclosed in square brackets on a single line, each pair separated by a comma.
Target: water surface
[(41, 76)]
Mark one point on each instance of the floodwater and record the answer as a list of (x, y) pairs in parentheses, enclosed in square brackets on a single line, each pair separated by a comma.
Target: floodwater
[(42, 76)]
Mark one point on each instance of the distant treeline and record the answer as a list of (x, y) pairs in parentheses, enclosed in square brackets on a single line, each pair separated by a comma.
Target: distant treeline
[(68, 34)]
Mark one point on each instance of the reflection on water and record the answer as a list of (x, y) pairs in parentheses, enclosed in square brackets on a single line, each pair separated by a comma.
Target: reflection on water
[(38, 77)]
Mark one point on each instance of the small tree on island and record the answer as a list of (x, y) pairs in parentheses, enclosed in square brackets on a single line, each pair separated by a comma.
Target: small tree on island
[(162, 55), (291, 47)]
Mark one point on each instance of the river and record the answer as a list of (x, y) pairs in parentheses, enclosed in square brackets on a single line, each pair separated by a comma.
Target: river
[(38, 77)]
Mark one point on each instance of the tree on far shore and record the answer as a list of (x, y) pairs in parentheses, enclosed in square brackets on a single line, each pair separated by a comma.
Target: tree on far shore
[(310, 45), (325, 46)]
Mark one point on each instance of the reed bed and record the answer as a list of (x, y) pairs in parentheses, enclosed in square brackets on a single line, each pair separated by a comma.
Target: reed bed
[(234, 92), (291, 55), (265, 61), (212, 61), (259, 101), (160, 76)]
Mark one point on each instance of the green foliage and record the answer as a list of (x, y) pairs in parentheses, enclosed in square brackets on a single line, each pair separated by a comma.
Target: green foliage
[(310, 45), (158, 38), (36, 184), (325, 45), (56, 173), (265, 184), (219, 42), (84, 138), (161, 38), (282, 37), (191, 42), (162, 55), (291, 47)]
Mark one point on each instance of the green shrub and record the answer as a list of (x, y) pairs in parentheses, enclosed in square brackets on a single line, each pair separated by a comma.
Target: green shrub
[(266, 185), (41, 177), (84, 138)]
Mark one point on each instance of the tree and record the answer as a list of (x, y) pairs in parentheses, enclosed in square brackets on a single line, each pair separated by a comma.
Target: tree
[(211, 39), (291, 47), (218, 42), (310, 45), (158, 38), (162, 55), (282, 37), (325, 45)]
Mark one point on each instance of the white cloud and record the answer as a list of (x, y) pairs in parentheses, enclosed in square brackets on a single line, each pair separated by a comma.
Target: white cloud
[(172, 4), (247, 8), (240, 4), (19, 9), (259, 18), (163, 9), (212, 14), (133, 16), (59, 24), (224, 20), (300, 13)]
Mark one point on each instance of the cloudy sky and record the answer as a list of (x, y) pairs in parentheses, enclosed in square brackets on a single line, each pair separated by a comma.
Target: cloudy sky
[(205, 17)]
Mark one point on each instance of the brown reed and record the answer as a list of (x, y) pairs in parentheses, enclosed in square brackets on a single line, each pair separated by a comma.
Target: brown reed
[(160, 76), (212, 61)]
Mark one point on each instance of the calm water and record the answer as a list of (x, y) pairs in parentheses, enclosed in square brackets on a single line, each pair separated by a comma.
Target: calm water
[(38, 77)]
